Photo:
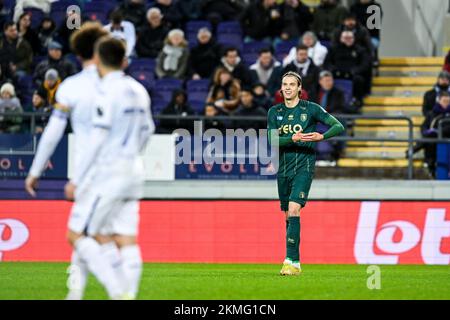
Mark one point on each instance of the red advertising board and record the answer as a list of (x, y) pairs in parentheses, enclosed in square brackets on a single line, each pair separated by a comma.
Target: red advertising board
[(247, 231)]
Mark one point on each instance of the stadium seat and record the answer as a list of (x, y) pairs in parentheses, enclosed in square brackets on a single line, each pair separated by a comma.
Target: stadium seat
[(147, 64), (62, 5), (58, 16), (229, 33), (230, 39), (346, 86), (282, 49), (144, 77), (250, 51), (197, 93), (95, 15), (326, 43), (164, 88), (229, 27)]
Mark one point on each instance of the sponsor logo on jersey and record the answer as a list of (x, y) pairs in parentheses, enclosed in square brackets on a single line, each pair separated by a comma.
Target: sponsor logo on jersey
[(279, 118), (100, 111), (288, 128), (291, 117), (303, 117)]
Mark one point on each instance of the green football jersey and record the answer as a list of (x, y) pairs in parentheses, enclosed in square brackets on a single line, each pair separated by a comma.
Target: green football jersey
[(300, 156)]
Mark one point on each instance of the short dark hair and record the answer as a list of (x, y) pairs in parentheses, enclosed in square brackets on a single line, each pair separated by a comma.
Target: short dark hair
[(230, 49), (111, 51), (8, 24), (295, 75), (264, 50), (116, 17), (350, 16), (82, 41), (443, 94), (302, 47)]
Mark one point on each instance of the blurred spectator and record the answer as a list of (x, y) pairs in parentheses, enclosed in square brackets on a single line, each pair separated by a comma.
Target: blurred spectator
[(349, 61), (363, 15), (171, 15), (225, 91), (40, 104), (122, 30), (189, 10), (11, 104), (267, 71), (25, 32), (430, 98), (44, 5), (297, 19), (46, 32), (134, 11), (327, 17), (56, 61), (233, 63), (178, 106), (305, 67), (173, 59), (430, 127), (221, 10), (205, 57), (211, 111), (447, 62), (316, 51), (261, 97), (151, 37), (362, 36), (63, 33), (261, 20), (16, 55), (327, 95), (51, 84), (248, 108)]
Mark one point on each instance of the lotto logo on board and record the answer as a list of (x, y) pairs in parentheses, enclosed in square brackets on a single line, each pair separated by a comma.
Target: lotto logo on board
[(13, 235)]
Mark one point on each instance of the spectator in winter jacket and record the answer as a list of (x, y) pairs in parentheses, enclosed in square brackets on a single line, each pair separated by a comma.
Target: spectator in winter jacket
[(431, 97), (26, 32), (430, 129), (122, 30), (297, 19), (40, 104), (217, 11), (316, 51), (178, 106), (261, 20), (172, 16), (134, 11), (261, 97), (16, 55), (248, 108), (327, 95), (225, 90), (233, 63), (327, 17), (51, 84), (362, 12), (11, 104), (349, 61), (46, 31), (205, 56), (173, 60), (305, 67), (151, 37), (267, 71)]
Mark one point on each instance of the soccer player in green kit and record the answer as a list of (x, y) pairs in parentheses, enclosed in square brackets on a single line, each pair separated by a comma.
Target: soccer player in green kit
[(292, 127)]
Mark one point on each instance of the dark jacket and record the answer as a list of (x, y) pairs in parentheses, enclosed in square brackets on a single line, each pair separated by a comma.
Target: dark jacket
[(310, 79), (344, 60), (18, 52), (431, 124), (220, 9), (241, 73), (254, 111), (362, 37), (150, 41), (169, 125), (326, 19), (274, 82), (296, 20), (430, 98), (64, 67), (204, 59), (257, 23), (171, 15), (360, 10), (134, 12), (33, 39), (335, 100)]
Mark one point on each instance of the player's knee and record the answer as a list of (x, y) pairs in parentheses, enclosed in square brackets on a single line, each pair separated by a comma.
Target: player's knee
[(294, 210), (123, 241), (72, 237)]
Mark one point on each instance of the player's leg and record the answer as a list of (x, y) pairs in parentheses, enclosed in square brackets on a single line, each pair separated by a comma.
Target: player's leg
[(88, 249), (125, 229), (283, 195)]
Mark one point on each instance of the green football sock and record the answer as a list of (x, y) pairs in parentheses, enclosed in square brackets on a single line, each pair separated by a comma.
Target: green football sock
[(293, 239)]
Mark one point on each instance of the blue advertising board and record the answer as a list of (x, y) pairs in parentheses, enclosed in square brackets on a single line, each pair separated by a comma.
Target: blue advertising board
[(443, 161)]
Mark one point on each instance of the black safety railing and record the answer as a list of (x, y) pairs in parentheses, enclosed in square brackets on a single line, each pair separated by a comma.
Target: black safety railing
[(410, 140)]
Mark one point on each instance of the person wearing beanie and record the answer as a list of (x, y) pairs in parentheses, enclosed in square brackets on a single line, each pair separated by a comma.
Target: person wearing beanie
[(9, 103), (51, 84)]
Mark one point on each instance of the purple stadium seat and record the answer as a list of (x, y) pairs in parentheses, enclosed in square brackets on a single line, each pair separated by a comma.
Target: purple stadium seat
[(144, 77), (229, 27), (62, 5), (9, 4), (162, 92), (197, 93), (230, 39), (100, 5), (326, 43), (143, 64), (58, 16), (346, 86), (95, 15), (282, 48), (250, 51)]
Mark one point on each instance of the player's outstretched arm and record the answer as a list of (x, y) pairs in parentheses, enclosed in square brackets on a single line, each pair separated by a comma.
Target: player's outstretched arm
[(336, 127), (53, 133)]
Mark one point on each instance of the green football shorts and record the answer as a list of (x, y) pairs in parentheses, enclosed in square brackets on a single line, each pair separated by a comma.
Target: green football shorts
[(294, 188)]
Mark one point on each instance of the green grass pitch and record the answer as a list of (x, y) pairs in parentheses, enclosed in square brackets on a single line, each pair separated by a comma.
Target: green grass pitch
[(237, 281)]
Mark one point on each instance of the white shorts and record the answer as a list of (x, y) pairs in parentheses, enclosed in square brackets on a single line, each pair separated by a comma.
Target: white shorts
[(95, 214)]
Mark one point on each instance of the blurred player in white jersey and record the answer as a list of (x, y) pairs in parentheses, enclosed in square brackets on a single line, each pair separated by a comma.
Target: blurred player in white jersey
[(75, 98), (111, 175)]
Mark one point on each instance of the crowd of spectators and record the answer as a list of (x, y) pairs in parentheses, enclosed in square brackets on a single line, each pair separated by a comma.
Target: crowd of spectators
[(240, 48)]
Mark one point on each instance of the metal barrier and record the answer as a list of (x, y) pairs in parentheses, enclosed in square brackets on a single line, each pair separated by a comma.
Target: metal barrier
[(410, 140)]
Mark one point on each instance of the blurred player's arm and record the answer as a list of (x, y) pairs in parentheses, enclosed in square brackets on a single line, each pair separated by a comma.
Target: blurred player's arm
[(53, 133), (148, 128)]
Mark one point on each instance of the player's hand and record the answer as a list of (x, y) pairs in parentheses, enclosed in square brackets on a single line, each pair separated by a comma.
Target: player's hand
[(69, 191), (312, 137), (31, 184), (297, 137)]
